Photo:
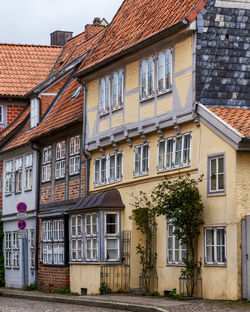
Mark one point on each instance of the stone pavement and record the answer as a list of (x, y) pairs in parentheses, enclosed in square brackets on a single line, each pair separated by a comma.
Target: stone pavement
[(121, 302)]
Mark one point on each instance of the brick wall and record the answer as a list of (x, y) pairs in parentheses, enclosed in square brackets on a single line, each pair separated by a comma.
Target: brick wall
[(222, 55), (74, 186), (45, 194), (51, 278), (59, 192), (13, 111)]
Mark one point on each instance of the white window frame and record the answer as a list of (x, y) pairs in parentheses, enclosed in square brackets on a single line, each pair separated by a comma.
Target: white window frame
[(28, 171), (165, 88), (34, 112), (147, 95), (107, 171), (91, 237), (181, 250), (15, 250), (104, 95), (18, 174), (60, 159), (74, 153), (142, 158), (216, 157), (215, 246), (174, 151), (8, 251), (9, 177), (46, 164), (76, 238), (52, 242), (1, 114), (115, 105), (112, 236)]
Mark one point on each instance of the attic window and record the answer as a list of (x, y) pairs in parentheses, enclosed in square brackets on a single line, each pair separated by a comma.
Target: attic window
[(76, 93)]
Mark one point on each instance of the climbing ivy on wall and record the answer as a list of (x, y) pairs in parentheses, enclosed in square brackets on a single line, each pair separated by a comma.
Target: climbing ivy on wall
[(2, 281)]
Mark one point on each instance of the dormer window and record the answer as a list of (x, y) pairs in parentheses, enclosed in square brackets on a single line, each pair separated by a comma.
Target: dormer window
[(34, 112), (76, 93)]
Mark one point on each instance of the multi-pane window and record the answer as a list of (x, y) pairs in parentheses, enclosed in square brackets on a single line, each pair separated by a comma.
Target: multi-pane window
[(1, 114), (91, 232), (147, 78), (164, 71), (32, 249), (176, 251), (174, 152), (215, 245), (108, 169), (74, 155), (141, 159), (117, 90), (28, 171), (8, 249), (216, 178), (76, 238), (34, 112), (111, 226), (53, 242), (18, 174), (46, 164), (60, 160), (111, 91), (9, 179), (15, 250)]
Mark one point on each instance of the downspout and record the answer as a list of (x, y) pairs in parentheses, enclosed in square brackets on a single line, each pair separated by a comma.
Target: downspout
[(38, 150), (84, 127)]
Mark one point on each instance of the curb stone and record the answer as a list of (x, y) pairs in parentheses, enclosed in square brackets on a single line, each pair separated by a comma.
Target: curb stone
[(95, 303)]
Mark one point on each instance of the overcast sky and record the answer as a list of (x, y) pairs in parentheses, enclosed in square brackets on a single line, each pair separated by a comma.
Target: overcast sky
[(31, 21)]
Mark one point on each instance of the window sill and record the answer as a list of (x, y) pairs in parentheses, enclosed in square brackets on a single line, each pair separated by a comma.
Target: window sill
[(8, 194), (16, 268), (53, 265), (140, 175), (20, 192), (115, 109), (158, 94), (108, 183), (96, 262), (8, 268), (105, 113), (147, 98), (206, 265), (28, 190), (74, 174), (173, 168), (216, 194), (60, 178), (44, 182), (175, 265)]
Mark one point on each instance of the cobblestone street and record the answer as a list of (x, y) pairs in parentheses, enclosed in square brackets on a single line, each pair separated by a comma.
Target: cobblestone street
[(13, 305)]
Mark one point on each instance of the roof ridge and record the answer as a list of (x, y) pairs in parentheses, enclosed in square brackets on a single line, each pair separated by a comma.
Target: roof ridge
[(30, 45)]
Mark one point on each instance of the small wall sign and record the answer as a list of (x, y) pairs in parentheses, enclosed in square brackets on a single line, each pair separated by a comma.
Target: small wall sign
[(21, 207), (21, 225)]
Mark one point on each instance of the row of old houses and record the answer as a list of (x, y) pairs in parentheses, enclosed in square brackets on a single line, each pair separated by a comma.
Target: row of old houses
[(161, 91)]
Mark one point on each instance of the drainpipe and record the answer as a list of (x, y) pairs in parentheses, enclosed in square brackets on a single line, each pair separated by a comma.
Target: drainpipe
[(38, 150), (84, 126)]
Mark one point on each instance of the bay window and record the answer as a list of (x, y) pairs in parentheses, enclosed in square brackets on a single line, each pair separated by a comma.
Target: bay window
[(141, 159), (52, 244), (215, 245), (60, 160), (174, 152), (100, 238), (46, 164), (74, 155)]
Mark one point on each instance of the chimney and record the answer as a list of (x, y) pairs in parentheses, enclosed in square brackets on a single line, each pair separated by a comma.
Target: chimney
[(60, 37), (93, 29)]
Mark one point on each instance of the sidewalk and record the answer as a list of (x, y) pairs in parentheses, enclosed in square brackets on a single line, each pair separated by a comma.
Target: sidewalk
[(117, 302)]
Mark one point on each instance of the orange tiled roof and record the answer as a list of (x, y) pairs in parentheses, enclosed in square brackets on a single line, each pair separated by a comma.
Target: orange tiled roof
[(237, 118), (65, 111), (22, 67), (137, 20)]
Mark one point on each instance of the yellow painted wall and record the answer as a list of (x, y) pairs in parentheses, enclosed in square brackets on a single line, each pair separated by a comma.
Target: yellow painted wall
[(164, 105), (183, 84), (132, 76), (147, 111), (131, 108), (117, 119), (93, 94), (183, 54)]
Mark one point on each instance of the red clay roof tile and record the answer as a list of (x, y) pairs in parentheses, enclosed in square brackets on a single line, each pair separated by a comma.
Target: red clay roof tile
[(22, 67), (237, 118)]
